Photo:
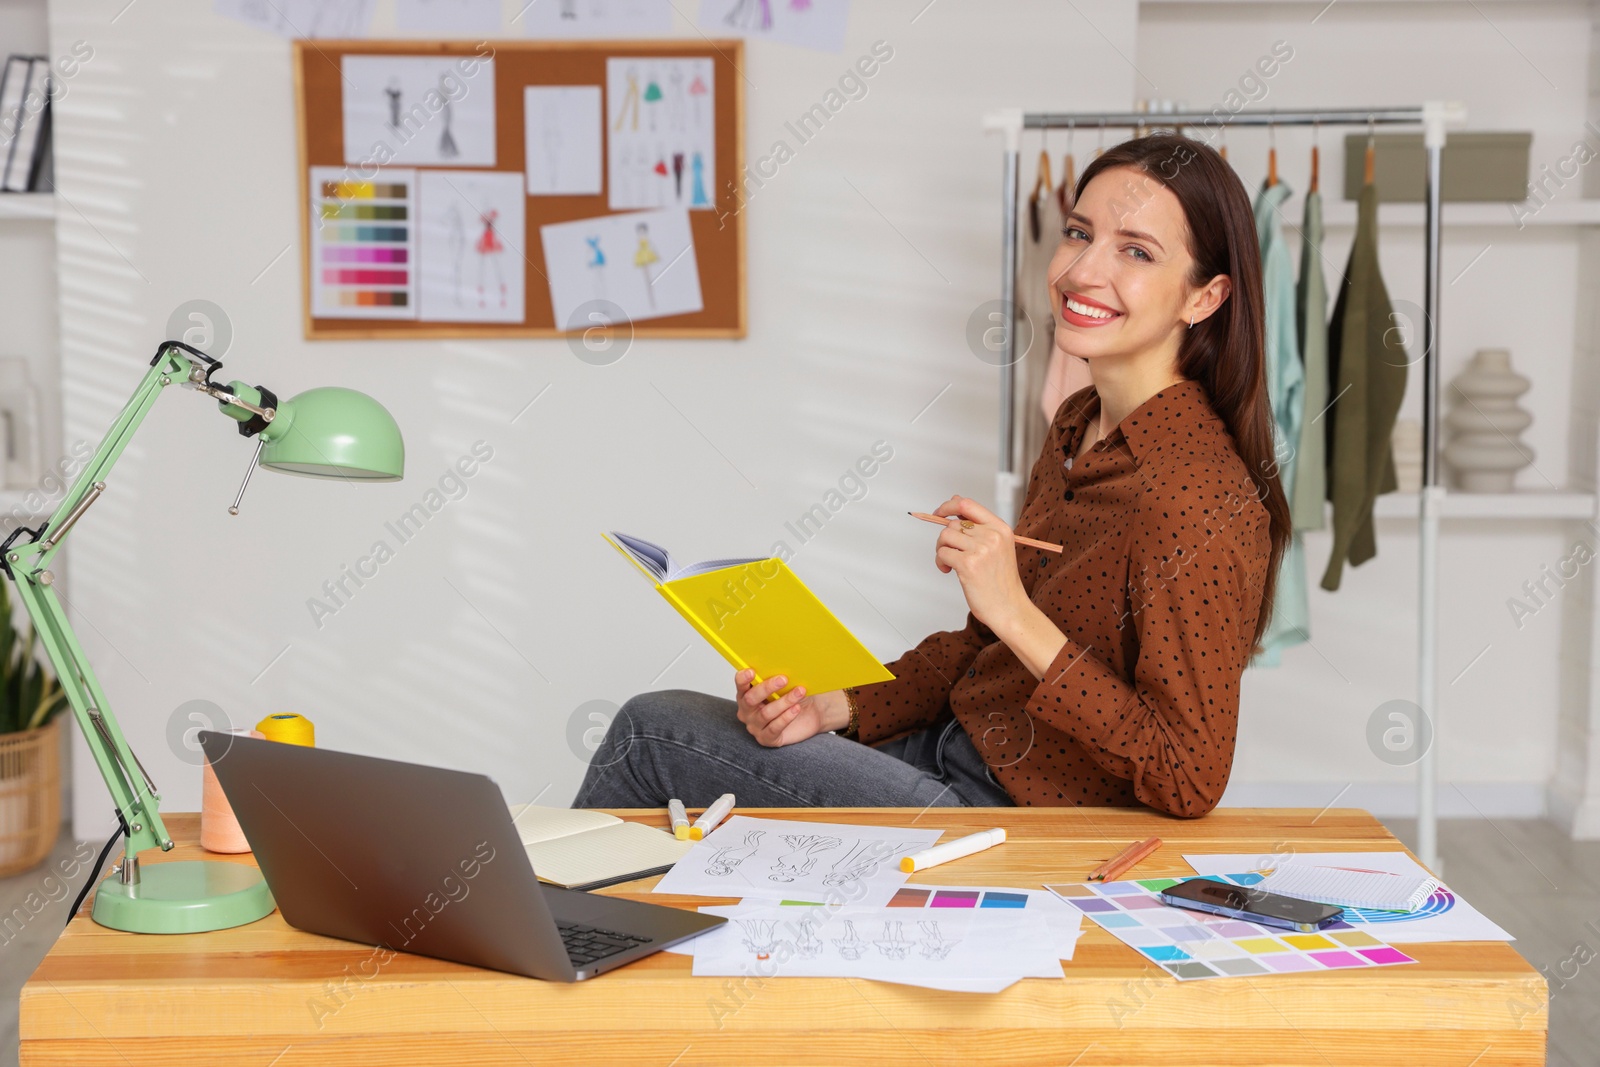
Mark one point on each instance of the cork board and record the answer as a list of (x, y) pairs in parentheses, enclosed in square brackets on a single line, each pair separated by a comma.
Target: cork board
[(487, 151)]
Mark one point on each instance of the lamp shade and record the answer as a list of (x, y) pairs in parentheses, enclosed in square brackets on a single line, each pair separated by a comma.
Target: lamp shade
[(334, 433)]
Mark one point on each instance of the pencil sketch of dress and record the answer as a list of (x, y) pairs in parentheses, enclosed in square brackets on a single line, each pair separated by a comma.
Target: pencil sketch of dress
[(806, 943), (852, 946), (552, 142), (652, 99), (727, 858), (489, 249), (675, 102), (801, 857), (597, 266), (760, 936), (893, 944), (644, 258), (392, 91), (861, 861), (697, 165), (456, 237), (630, 101), (447, 141), (935, 946), (746, 13)]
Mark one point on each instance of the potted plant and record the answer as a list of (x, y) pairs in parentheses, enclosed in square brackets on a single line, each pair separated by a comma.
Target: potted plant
[(30, 746)]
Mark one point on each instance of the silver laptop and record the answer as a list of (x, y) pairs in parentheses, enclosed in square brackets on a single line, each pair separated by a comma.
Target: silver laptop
[(421, 859)]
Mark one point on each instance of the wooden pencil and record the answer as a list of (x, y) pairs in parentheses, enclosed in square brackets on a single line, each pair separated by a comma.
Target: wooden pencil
[(1046, 545), (1112, 869)]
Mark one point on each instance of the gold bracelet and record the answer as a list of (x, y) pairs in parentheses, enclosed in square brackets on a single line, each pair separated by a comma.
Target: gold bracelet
[(853, 729)]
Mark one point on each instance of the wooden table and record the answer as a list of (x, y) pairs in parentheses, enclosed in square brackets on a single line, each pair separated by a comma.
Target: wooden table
[(270, 995)]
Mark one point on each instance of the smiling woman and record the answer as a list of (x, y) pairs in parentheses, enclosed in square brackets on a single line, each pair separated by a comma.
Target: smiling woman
[(1107, 673)]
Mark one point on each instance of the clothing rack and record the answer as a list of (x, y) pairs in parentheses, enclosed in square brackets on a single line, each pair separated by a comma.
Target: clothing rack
[(1432, 117)]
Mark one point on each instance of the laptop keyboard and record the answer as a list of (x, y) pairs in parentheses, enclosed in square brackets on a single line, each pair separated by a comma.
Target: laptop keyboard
[(586, 944)]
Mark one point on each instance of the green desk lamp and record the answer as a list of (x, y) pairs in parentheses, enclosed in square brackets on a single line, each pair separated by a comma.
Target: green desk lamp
[(328, 433)]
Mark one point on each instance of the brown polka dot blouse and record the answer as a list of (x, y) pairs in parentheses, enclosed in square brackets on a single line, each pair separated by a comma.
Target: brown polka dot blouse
[(1165, 549)]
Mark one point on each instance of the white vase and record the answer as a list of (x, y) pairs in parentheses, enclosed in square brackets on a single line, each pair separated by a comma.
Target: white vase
[(1485, 452)]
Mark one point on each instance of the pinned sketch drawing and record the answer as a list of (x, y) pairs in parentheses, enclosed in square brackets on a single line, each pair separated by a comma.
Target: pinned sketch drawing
[(780, 859), (301, 18), (454, 18), (472, 234), (563, 139), (660, 132), (418, 109), (643, 262), (818, 24), (594, 18)]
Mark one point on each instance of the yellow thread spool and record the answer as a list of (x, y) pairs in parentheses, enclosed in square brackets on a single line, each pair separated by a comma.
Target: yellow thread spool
[(289, 728)]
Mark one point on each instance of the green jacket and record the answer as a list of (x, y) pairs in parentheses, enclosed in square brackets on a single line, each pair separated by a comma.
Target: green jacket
[(1311, 330), (1367, 374)]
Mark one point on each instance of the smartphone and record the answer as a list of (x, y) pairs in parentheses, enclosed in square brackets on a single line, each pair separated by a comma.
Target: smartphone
[(1251, 905)]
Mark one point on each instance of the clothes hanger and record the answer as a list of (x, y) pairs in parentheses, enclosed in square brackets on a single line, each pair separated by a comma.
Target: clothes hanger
[(1069, 175), (1102, 146), (1042, 186), (1316, 126), (1272, 154), (1371, 149)]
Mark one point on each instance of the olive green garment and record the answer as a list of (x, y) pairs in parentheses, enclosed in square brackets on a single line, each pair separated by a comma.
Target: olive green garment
[(1311, 328), (1367, 373)]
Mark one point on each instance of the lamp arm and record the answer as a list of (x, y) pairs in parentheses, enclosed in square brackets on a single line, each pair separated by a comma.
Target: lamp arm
[(135, 796)]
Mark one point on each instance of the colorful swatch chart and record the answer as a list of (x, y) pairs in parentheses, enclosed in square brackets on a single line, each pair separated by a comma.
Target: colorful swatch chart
[(363, 245), (1191, 944)]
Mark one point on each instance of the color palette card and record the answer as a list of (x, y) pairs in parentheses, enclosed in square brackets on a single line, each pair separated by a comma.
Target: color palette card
[(363, 244), (1192, 944)]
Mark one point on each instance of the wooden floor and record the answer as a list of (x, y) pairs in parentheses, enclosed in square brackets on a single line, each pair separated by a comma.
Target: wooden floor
[(1524, 874)]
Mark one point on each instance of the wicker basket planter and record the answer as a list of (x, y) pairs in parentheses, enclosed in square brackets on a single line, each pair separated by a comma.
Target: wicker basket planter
[(30, 796)]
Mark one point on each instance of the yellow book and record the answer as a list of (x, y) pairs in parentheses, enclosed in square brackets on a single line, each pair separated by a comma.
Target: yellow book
[(757, 614)]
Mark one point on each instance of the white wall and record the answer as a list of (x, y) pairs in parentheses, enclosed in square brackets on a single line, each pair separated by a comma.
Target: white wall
[(482, 637)]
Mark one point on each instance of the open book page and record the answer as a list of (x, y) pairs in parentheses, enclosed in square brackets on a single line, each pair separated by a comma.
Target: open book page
[(624, 848), (535, 823), (659, 563)]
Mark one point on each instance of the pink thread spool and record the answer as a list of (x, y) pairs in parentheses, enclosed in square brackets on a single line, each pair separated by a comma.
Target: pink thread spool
[(219, 828)]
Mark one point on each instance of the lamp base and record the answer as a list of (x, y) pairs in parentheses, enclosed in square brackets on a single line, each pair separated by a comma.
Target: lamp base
[(184, 897)]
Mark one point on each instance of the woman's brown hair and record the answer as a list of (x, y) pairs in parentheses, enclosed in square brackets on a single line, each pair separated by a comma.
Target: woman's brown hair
[(1226, 353)]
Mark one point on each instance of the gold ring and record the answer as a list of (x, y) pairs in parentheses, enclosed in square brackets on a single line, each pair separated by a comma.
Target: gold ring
[(967, 524)]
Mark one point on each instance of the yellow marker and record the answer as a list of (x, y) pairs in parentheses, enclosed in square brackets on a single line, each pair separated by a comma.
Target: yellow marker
[(711, 816), (680, 819)]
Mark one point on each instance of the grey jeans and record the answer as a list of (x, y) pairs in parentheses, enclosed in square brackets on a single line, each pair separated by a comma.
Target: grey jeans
[(690, 746)]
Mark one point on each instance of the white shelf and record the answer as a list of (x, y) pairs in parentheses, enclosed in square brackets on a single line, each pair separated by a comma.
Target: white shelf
[(1460, 505), (27, 205), (1342, 213)]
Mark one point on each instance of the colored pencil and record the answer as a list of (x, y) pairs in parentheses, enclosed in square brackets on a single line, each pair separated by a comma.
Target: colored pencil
[(1113, 868)]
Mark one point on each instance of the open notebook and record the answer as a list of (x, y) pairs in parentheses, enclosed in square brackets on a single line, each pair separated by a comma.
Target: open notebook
[(1350, 888), (580, 849), (758, 614)]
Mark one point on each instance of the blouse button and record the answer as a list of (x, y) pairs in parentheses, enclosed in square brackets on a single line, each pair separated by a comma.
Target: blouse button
[(972, 672), (1069, 494)]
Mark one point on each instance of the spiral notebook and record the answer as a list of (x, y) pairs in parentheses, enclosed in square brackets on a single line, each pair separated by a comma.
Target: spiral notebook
[(1345, 888)]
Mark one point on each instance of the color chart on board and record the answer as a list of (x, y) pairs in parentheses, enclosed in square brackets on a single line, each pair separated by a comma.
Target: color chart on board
[(1192, 944), (364, 244), (966, 897)]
